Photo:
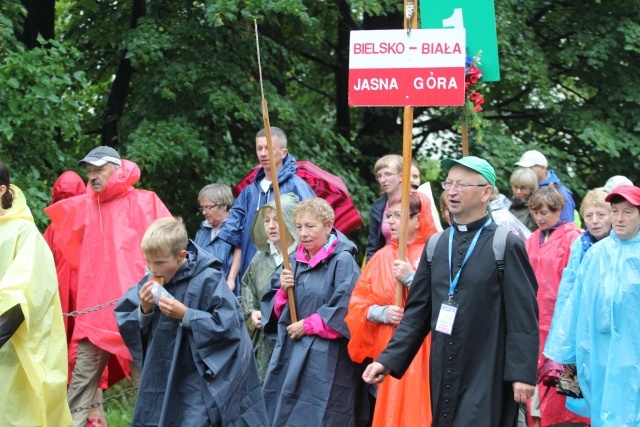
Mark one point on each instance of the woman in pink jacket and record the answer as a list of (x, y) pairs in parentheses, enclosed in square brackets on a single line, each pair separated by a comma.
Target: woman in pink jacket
[(549, 248)]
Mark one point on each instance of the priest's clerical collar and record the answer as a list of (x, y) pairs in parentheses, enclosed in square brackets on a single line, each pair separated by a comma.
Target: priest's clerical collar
[(472, 226)]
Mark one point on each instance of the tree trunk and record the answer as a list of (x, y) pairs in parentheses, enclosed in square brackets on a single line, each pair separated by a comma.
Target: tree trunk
[(41, 15), (345, 25), (120, 86)]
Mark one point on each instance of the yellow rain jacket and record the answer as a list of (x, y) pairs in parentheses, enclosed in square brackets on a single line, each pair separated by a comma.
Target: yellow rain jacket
[(33, 363)]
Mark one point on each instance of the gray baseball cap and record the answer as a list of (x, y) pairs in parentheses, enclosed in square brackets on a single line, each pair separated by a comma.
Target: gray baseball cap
[(100, 156)]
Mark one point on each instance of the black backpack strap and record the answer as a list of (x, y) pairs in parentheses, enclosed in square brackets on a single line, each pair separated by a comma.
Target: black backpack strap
[(499, 247)]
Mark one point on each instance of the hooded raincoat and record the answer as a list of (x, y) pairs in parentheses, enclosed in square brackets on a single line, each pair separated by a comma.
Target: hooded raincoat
[(312, 381), (599, 331), (33, 363), (548, 261), (405, 401), (99, 235), (569, 205), (69, 184), (196, 372), (257, 278), (578, 249), (251, 199), (218, 248), (499, 209), (520, 209)]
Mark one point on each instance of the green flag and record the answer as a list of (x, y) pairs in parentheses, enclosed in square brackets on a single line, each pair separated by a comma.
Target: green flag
[(478, 18)]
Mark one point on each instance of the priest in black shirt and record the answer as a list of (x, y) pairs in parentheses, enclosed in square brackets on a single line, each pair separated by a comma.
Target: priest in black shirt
[(484, 343)]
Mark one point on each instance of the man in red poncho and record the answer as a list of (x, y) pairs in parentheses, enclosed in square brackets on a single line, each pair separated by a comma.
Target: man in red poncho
[(99, 234), (69, 184)]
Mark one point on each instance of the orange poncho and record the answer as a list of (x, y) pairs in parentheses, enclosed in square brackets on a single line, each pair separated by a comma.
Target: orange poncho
[(404, 402)]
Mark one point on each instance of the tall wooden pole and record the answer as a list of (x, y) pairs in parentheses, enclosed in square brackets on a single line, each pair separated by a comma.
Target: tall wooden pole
[(276, 187), (410, 22), (465, 138)]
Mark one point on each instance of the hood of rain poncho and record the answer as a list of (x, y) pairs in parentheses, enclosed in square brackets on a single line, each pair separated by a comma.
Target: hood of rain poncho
[(259, 237), (427, 226), (499, 209), (34, 361), (68, 184)]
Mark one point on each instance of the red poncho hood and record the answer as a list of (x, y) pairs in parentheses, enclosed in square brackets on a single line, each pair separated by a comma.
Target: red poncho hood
[(69, 184)]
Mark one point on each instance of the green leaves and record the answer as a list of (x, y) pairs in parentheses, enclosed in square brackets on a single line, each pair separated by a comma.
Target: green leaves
[(191, 110)]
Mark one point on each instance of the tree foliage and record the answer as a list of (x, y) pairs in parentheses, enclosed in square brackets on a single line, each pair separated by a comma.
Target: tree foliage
[(174, 86)]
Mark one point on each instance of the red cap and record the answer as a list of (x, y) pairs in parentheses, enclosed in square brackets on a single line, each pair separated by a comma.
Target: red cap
[(630, 193)]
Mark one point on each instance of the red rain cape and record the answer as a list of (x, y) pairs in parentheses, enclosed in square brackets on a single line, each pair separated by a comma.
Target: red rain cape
[(69, 184), (404, 402), (548, 260), (100, 235), (327, 186)]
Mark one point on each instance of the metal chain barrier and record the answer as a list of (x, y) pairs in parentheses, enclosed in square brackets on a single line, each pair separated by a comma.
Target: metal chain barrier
[(107, 400), (90, 310)]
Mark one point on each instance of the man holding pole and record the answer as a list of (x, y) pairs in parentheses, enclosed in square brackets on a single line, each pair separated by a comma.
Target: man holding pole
[(260, 192), (482, 315)]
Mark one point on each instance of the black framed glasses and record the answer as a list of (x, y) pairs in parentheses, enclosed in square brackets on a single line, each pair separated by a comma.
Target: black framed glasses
[(520, 188), (207, 208)]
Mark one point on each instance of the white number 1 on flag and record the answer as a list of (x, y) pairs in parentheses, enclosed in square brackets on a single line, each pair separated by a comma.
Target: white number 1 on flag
[(455, 20)]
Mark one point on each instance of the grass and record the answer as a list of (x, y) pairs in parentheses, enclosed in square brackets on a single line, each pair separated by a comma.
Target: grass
[(119, 412)]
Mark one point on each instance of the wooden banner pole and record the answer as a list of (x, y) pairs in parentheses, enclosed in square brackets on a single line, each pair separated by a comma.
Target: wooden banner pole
[(410, 22), (465, 138), (276, 188)]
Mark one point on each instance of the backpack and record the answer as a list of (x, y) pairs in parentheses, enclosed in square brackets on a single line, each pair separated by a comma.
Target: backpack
[(499, 245)]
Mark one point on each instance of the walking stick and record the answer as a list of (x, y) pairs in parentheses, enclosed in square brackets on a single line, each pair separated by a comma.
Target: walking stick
[(276, 188)]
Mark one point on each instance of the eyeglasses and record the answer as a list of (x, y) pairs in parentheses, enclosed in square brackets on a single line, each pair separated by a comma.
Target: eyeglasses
[(520, 188), (396, 216), (447, 185), (385, 175), (206, 208)]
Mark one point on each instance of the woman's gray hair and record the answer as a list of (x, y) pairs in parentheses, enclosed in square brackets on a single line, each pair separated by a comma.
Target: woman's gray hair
[(524, 177), (220, 194)]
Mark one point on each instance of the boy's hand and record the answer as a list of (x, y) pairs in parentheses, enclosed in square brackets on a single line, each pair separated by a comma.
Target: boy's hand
[(256, 318), (146, 298), (296, 330), (172, 308)]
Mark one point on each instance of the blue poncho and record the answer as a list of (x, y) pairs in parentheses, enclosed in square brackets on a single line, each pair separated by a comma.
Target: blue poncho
[(599, 331)]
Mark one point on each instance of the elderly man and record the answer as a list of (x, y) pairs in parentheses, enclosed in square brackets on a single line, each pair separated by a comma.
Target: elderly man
[(537, 162), (599, 327), (484, 327), (259, 192), (99, 234)]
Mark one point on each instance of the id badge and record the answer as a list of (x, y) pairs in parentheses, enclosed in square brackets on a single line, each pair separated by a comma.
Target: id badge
[(446, 317)]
